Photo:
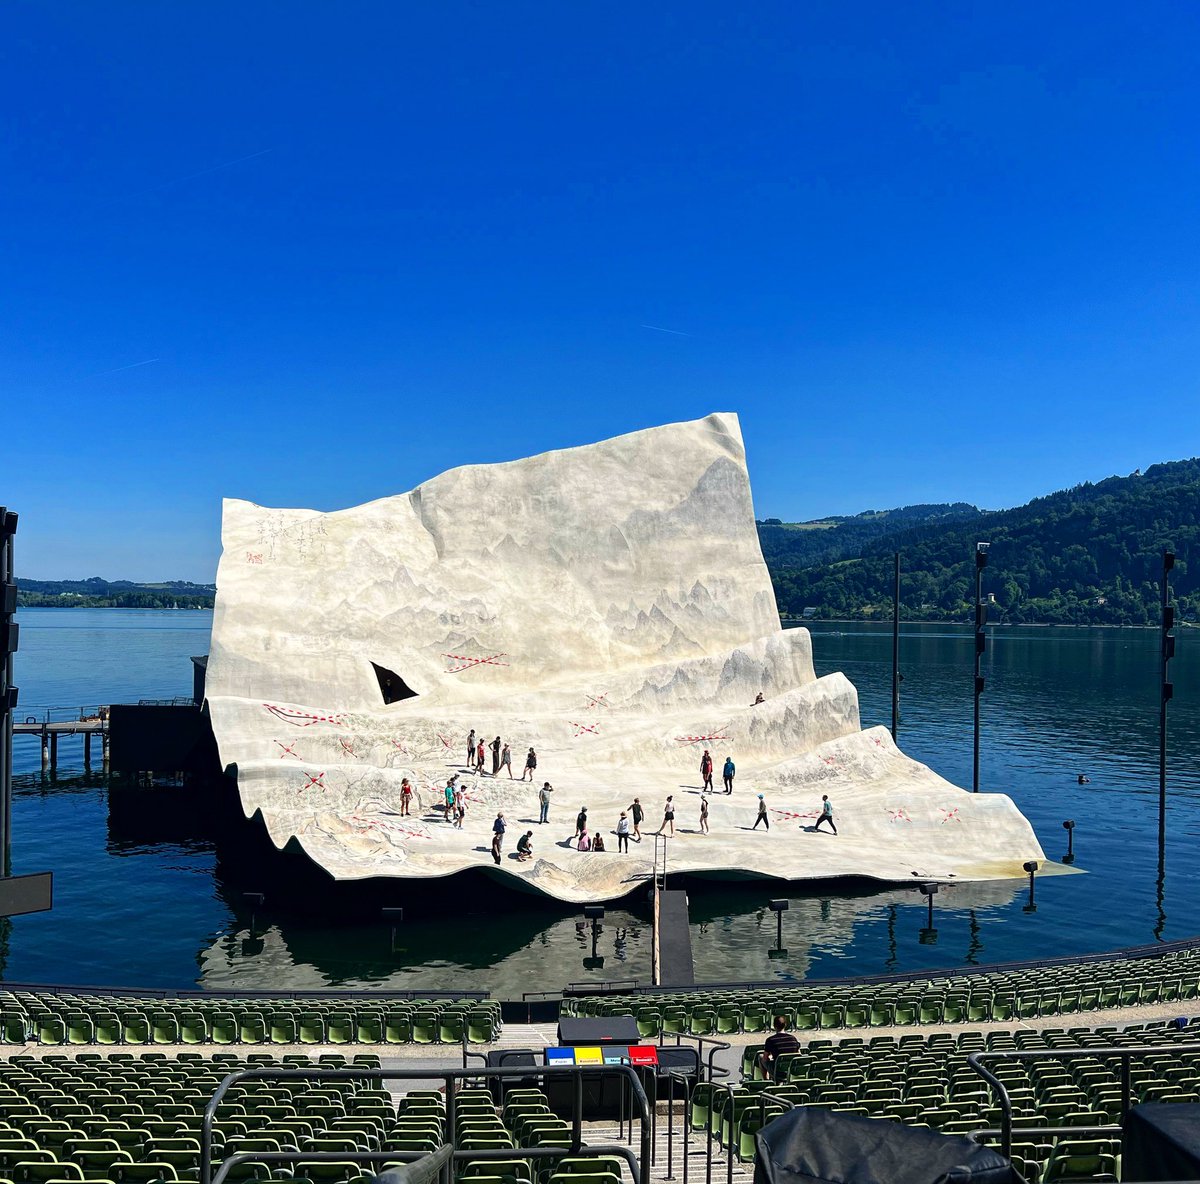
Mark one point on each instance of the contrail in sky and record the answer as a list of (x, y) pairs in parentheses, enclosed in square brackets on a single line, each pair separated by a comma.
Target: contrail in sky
[(118, 369), (660, 329), (226, 164)]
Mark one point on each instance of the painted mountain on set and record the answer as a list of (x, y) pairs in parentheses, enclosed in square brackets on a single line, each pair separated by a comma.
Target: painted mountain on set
[(607, 606)]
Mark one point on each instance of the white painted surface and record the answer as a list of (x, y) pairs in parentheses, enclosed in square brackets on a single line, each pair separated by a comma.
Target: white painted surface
[(607, 605)]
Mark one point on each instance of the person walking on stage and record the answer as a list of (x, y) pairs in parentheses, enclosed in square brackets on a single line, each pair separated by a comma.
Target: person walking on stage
[(530, 765), (480, 757), (762, 814), (727, 773), (498, 829), (471, 749), (544, 802), (405, 795), (706, 767), (704, 816), (580, 824), (496, 757), (826, 814), (506, 760), (623, 833), (637, 814), (668, 815)]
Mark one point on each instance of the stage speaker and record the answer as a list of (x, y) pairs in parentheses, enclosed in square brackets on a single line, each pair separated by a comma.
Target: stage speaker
[(617, 1029)]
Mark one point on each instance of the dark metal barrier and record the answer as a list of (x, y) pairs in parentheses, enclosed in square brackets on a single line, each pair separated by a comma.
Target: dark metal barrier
[(436, 1166), (640, 1168), (1122, 1052)]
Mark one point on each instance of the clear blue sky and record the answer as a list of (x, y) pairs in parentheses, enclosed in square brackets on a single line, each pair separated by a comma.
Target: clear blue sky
[(312, 254)]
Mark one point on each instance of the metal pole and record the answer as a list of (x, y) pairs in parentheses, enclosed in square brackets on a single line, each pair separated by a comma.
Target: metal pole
[(981, 558), (1166, 651), (896, 650)]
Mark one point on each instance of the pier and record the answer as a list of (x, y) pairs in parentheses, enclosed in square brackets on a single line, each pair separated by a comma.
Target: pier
[(53, 722)]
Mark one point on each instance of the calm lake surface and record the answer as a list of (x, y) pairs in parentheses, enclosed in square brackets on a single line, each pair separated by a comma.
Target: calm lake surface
[(1059, 702)]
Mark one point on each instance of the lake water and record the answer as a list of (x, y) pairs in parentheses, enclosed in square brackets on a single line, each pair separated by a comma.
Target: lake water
[(136, 911)]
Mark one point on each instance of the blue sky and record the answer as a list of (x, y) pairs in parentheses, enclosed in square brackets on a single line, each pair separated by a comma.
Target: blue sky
[(312, 254)]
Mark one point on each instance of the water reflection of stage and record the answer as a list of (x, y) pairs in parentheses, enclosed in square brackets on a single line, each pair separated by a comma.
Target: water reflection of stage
[(733, 933)]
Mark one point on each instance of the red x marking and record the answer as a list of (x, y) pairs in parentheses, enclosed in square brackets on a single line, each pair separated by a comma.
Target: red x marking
[(950, 815), (288, 749), (467, 663), (594, 729), (315, 781), (901, 815), (597, 700), (700, 739)]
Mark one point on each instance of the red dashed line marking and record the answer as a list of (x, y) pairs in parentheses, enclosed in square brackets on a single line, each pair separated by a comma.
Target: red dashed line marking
[(700, 739), (466, 663), (900, 815), (796, 813), (302, 719), (445, 742)]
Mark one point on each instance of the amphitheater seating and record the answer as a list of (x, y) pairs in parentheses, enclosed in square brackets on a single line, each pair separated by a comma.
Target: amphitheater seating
[(137, 1119), (52, 1017), (1071, 989), (925, 1080)]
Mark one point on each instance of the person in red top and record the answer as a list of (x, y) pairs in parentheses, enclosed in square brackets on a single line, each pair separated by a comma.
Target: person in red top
[(706, 767), (778, 1044), (405, 795)]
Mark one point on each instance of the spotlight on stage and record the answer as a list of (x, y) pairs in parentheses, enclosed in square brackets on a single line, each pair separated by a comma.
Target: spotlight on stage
[(1031, 866), (929, 935), (778, 907), (595, 914)]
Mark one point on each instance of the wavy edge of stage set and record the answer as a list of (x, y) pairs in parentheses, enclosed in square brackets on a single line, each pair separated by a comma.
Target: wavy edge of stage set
[(609, 607)]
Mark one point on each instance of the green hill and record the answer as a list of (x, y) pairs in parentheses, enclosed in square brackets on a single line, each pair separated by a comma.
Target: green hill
[(1087, 555), (98, 593)]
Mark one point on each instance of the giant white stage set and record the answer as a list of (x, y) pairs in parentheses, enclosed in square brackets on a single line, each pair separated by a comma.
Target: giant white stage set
[(607, 606)]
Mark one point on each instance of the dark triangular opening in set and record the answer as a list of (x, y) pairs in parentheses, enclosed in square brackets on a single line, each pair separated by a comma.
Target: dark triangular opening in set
[(391, 686)]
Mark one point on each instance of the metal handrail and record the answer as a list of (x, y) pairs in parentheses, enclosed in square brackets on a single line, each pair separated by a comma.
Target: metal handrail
[(717, 1046), (1124, 1052), (450, 1077)]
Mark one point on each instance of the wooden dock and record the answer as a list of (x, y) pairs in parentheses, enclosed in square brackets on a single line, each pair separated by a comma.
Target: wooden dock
[(51, 730)]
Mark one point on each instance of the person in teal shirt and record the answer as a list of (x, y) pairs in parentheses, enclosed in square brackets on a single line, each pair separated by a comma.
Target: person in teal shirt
[(727, 773)]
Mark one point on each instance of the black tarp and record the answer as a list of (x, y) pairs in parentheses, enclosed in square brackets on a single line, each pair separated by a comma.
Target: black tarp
[(1161, 1141), (810, 1145)]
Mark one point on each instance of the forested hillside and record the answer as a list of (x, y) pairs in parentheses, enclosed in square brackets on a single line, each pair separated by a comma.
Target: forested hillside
[(826, 540), (1087, 555), (98, 593)]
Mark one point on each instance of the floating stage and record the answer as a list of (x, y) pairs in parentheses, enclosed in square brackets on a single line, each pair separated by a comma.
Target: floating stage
[(607, 606)]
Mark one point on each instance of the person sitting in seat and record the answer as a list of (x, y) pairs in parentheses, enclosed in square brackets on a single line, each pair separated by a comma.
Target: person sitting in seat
[(779, 1043)]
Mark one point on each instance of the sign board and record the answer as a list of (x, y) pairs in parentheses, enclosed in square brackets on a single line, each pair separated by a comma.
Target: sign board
[(560, 1056), (643, 1054)]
